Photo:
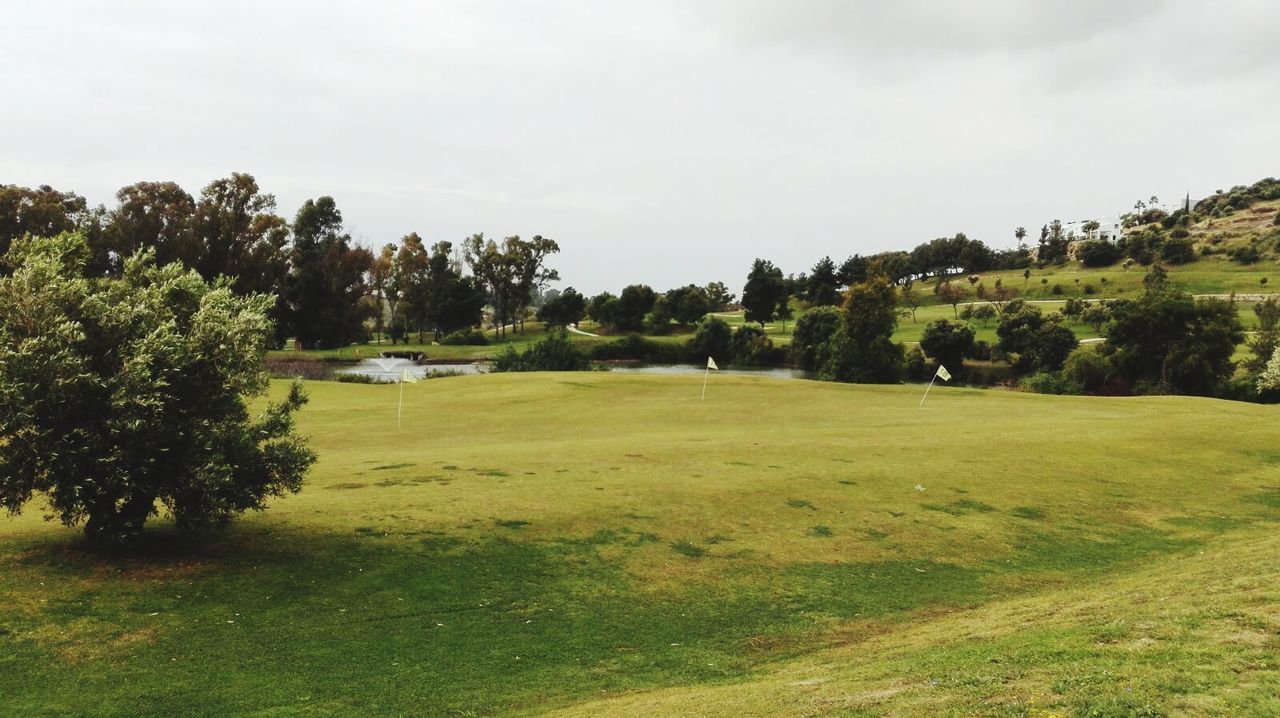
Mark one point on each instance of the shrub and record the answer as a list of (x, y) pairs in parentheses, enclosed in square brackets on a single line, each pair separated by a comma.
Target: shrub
[(712, 339), (1097, 253), (1057, 289), (1178, 250), (813, 332), (1087, 368), (1090, 289), (1247, 254), (1073, 307), (1049, 382), (915, 365), (750, 346), (634, 346), (949, 342), (554, 353), (466, 337)]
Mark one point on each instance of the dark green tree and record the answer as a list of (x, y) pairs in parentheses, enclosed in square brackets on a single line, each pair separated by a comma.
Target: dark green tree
[(1040, 342), (120, 394), (862, 349), (327, 282), (824, 284), (948, 342), (811, 338), (764, 289), (566, 309), (713, 339), (1170, 342)]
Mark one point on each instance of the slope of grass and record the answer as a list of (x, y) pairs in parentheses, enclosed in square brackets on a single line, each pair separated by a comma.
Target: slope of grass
[(531, 542)]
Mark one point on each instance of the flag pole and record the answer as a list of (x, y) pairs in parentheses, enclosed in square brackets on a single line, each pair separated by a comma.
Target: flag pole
[(926, 391), (400, 408), (705, 373)]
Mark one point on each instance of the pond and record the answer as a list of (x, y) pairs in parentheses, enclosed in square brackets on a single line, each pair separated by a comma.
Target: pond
[(389, 370)]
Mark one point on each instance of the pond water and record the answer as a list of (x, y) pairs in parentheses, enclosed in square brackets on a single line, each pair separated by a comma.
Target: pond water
[(389, 370)]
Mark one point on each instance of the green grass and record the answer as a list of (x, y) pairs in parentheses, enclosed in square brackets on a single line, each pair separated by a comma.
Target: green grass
[(520, 547)]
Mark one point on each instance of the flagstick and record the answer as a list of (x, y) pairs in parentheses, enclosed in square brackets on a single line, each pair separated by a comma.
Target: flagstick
[(400, 409), (705, 373), (926, 391)]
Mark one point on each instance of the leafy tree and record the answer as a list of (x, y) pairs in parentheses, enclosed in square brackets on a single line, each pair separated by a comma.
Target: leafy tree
[(40, 212), (713, 339), (1041, 343), (328, 278), (117, 394), (553, 353), (565, 309), (823, 286), (1096, 315), (1178, 250), (454, 302), (952, 294), (853, 271), (862, 349), (153, 215), (1073, 307), (809, 342), (949, 342), (688, 304), (603, 308), (634, 303), (719, 296), (532, 272), (380, 281), (910, 298), (1097, 253), (750, 346), (784, 311), (763, 291), (241, 236), (1168, 340), (497, 271)]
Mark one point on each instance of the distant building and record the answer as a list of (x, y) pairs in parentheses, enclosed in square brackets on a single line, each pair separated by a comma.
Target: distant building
[(1109, 229)]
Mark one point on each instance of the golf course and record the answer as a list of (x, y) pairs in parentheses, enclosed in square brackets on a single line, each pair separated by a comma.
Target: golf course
[(596, 543)]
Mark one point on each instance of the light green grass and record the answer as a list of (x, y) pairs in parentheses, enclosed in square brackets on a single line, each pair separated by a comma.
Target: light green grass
[(532, 542)]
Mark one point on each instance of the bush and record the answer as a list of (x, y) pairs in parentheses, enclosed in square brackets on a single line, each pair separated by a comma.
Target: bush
[(554, 353), (466, 337), (1057, 289), (915, 365), (712, 339), (1178, 250), (1049, 382), (1087, 368), (1097, 253), (1073, 307), (949, 342), (1247, 254), (750, 346), (636, 347), (813, 332)]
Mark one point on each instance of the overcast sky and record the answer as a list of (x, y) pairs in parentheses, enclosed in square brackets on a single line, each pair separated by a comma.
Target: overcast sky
[(657, 142)]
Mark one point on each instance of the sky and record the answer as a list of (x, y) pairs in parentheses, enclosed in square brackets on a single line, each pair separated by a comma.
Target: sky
[(658, 142)]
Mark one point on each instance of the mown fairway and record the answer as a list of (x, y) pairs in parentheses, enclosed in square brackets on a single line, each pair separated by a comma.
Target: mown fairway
[(605, 543)]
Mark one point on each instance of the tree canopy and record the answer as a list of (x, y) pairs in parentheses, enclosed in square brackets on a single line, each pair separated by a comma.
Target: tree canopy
[(118, 393)]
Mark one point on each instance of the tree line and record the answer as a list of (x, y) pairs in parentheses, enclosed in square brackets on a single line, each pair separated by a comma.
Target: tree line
[(326, 288)]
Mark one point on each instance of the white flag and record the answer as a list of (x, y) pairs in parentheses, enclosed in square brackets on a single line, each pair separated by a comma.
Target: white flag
[(407, 376), (711, 364), (943, 373)]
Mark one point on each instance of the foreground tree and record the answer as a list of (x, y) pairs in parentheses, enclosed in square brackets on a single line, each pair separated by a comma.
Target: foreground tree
[(949, 342), (116, 394)]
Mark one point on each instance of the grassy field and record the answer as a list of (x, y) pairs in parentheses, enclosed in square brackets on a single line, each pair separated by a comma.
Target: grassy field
[(607, 544)]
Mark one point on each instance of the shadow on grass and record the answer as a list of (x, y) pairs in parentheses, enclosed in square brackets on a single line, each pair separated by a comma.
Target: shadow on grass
[(365, 623)]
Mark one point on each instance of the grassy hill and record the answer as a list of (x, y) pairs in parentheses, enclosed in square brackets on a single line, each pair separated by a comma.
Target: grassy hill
[(608, 544)]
